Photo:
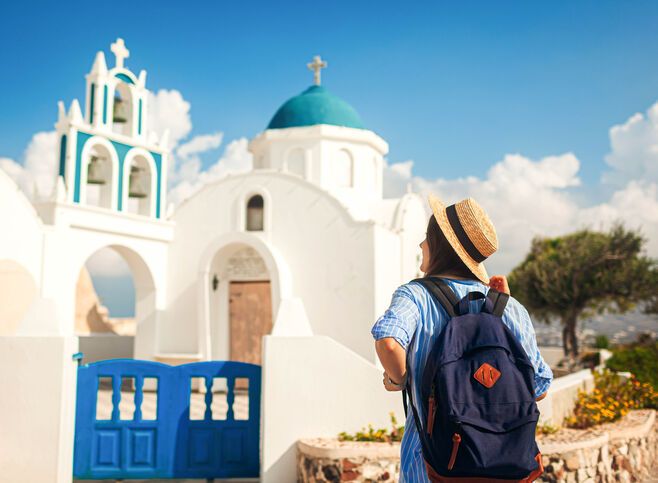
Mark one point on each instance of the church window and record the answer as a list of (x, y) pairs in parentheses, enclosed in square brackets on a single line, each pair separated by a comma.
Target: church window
[(255, 213), (62, 155), (104, 104), (343, 169), (92, 96)]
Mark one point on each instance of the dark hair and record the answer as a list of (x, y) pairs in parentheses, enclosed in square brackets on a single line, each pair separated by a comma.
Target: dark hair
[(443, 258)]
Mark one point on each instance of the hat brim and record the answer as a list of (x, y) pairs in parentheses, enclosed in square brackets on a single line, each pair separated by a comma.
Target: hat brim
[(439, 211)]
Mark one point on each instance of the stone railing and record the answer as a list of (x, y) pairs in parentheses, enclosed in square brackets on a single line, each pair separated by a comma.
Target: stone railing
[(562, 395), (622, 451)]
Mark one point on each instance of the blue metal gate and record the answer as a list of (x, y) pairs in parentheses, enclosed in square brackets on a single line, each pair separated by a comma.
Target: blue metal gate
[(172, 445)]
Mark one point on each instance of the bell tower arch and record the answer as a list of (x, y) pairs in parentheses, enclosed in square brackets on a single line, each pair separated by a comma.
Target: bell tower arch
[(125, 169)]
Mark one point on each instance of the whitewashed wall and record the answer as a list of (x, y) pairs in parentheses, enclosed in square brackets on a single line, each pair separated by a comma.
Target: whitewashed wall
[(315, 387), (20, 256), (561, 397), (37, 408), (314, 248), (323, 147)]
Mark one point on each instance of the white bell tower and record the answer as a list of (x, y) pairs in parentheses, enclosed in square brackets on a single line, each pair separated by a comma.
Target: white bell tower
[(107, 158)]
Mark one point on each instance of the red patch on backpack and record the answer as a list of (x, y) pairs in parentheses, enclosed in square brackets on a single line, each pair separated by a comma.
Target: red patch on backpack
[(487, 375)]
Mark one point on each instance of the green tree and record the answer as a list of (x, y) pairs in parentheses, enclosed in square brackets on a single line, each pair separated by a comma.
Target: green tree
[(583, 273), (640, 358)]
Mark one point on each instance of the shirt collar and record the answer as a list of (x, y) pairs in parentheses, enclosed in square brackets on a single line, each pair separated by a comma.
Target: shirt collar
[(466, 282)]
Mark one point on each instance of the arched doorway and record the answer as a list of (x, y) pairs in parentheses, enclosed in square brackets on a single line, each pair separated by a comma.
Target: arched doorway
[(114, 304), (115, 318), (240, 303)]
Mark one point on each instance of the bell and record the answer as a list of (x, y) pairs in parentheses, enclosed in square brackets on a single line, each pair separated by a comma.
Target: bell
[(95, 171), (120, 114), (136, 184)]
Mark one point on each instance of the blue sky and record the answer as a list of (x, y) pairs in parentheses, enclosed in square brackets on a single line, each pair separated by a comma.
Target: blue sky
[(452, 85)]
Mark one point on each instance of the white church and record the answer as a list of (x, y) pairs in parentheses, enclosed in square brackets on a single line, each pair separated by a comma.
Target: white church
[(303, 249), (303, 244)]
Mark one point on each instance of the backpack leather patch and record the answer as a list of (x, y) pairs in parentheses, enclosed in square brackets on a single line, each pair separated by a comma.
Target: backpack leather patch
[(487, 375)]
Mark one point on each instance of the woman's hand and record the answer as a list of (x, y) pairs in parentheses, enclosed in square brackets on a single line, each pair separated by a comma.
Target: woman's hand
[(391, 385), (499, 282)]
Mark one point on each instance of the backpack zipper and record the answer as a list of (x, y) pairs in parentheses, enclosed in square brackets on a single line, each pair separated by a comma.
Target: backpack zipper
[(431, 413), (456, 439)]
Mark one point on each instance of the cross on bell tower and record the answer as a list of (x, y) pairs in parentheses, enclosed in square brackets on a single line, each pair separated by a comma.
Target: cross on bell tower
[(316, 66), (120, 52)]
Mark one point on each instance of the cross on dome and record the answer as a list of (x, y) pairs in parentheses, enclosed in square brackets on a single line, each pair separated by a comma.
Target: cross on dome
[(316, 66), (120, 51)]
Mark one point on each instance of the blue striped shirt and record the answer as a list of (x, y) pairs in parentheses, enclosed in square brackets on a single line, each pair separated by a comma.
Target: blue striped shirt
[(413, 311)]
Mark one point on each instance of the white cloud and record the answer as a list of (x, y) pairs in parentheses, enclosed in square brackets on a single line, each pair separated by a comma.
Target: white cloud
[(41, 161), (397, 178), (169, 111), (634, 149), (200, 144), (636, 205), (18, 173), (39, 169), (523, 197), (187, 158), (527, 198), (235, 159)]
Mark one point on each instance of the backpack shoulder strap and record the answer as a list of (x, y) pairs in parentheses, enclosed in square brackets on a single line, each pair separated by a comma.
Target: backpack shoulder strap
[(499, 301), (442, 293)]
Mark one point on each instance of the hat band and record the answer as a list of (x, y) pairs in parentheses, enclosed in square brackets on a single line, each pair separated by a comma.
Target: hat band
[(463, 238)]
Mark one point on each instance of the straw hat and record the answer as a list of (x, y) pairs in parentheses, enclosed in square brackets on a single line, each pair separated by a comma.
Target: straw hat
[(469, 231)]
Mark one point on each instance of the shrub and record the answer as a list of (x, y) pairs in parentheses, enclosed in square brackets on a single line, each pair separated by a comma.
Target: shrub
[(611, 399), (590, 359), (377, 435), (640, 359), (545, 429), (602, 342)]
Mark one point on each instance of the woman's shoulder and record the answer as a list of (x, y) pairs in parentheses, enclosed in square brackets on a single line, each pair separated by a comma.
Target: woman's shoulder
[(413, 290), (410, 289), (515, 308), (461, 288)]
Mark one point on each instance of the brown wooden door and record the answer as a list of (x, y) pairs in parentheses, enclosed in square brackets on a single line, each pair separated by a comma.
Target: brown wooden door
[(250, 309)]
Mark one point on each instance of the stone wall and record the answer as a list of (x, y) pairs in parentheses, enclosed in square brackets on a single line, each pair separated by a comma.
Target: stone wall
[(328, 460), (623, 451)]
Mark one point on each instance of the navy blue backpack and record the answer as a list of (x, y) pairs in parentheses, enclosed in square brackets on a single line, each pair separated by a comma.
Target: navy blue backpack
[(477, 390)]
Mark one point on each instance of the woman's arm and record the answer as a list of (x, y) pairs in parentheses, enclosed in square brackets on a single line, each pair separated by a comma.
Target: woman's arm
[(393, 332), (392, 356)]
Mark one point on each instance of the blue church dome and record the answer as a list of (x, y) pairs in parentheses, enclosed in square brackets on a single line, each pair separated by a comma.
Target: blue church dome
[(314, 106)]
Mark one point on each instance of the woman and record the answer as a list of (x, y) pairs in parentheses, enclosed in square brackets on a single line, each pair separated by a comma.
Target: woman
[(458, 239)]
